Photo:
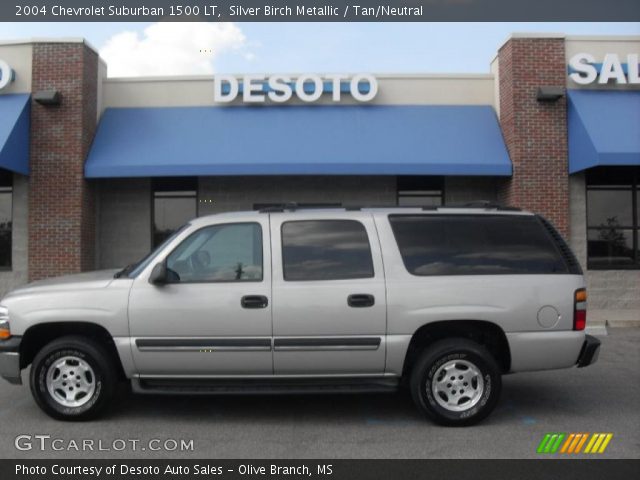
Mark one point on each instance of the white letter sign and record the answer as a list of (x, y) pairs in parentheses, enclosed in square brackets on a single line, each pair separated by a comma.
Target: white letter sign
[(307, 88), (584, 70), (6, 74)]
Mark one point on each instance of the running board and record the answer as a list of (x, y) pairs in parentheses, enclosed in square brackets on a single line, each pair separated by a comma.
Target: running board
[(262, 386)]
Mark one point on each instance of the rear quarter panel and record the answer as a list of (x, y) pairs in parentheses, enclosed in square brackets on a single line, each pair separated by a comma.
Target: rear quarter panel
[(512, 302)]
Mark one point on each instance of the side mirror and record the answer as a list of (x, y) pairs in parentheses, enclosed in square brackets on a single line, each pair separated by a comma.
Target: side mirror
[(159, 274)]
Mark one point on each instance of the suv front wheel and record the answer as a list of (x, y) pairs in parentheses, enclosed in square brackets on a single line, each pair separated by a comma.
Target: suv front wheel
[(456, 382), (73, 378)]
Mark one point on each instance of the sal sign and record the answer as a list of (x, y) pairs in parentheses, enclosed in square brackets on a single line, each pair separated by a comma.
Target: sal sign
[(584, 70), (6, 74), (281, 88)]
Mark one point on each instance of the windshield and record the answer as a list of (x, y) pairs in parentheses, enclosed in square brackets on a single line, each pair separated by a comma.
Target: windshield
[(133, 270)]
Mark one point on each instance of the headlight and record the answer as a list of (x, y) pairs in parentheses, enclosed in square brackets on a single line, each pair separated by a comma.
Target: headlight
[(5, 330)]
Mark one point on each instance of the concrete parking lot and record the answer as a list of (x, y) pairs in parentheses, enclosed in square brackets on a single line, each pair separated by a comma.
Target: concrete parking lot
[(601, 398)]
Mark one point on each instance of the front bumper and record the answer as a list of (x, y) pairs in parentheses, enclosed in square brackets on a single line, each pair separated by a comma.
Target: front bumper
[(590, 351), (10, 360)]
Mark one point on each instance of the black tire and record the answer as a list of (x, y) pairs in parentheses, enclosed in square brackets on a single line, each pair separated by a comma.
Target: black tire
[(104, 378), (441, 353)]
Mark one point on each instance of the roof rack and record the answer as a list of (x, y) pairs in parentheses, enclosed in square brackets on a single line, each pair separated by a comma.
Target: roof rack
[(293, 206)]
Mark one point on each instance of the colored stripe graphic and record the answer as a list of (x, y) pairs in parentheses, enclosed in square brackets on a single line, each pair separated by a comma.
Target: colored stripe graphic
[(598, 443), (567, 442), (543, 443), (556, 445), (581, 443), (551, 442), (607, 439), (572, 443)]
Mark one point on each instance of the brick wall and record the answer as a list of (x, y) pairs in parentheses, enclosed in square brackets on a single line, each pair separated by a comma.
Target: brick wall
[(535, 132), (61, 202)]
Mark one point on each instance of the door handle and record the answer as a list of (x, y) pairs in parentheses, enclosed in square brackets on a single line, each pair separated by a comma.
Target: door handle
[(359, 300), (254, 301)]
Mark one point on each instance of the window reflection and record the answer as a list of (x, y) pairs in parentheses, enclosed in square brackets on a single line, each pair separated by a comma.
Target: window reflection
[(604, 203), (325, 250), (475, 245), (610, 246), (613, 217), (6, 218), (220, 253)]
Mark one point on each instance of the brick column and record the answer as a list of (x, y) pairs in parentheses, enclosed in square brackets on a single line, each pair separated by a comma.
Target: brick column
[(61, 202), (535, 132)]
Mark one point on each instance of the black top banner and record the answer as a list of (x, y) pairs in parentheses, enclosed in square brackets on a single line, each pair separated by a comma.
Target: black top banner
[(319, 11)]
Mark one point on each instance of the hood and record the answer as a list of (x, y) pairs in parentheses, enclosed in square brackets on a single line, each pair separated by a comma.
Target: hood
[(79, 281)]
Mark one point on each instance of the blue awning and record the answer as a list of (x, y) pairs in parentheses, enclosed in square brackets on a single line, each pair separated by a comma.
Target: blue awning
[(604, 128), (14, 132), (305, 140)]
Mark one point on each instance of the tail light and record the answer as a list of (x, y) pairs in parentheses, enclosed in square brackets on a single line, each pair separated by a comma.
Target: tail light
[(580, 309)]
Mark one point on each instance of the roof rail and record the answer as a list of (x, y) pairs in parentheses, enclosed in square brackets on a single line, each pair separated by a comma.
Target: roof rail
[(293, 206)]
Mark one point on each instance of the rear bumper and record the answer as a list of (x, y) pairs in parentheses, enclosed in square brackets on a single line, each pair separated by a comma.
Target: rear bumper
[(590, 351), (10, 360)]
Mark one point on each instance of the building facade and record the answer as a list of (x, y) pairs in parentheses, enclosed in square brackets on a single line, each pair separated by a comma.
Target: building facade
[(96, 171)]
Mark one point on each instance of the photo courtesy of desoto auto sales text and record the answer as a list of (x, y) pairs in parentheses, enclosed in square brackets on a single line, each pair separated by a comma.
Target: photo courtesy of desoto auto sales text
[(319, 239)]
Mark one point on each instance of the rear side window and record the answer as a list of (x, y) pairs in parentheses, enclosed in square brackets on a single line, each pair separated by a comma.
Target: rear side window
[(325, 250), (475, 245)]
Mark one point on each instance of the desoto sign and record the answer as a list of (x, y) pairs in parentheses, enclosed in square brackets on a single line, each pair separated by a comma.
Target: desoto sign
[(6, 74), (584, 70), (281, 88)]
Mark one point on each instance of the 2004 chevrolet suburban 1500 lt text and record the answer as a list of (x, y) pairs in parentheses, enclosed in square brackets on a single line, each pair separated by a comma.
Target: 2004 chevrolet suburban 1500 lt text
[(443, 300)]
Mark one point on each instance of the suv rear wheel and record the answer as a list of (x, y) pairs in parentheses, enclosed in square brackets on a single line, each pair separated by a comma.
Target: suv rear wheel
[(73, 378), (456, 382)]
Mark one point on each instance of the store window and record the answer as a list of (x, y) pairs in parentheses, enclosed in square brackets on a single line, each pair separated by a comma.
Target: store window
[(175, 202), (417, 191), (613, 218), (6, 218)]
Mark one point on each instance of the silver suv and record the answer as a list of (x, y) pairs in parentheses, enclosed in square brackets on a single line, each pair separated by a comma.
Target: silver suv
[(443, 301)]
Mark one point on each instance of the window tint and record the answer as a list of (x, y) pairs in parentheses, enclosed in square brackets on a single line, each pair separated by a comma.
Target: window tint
[(475, 245), (6, 218), (220, 253), (325, 250)]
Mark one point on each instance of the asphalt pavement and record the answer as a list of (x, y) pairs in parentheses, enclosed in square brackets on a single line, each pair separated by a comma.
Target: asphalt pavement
[(601, 398)]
